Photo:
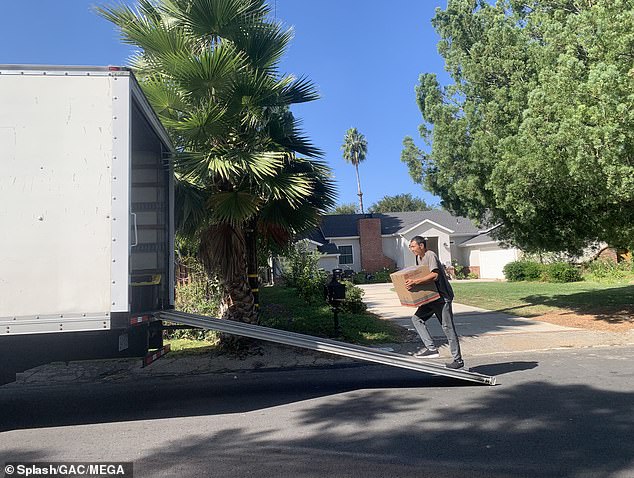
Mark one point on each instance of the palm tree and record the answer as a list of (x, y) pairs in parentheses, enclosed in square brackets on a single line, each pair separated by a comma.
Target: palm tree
[(355, 148), (210, 70)]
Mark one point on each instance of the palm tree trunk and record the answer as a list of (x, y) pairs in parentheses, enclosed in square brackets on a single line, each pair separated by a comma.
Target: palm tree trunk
[(238, 302), (223, 252), (237, 305), (359, 193)]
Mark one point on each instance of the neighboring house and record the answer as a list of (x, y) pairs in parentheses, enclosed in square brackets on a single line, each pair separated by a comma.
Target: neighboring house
[(370, 242)]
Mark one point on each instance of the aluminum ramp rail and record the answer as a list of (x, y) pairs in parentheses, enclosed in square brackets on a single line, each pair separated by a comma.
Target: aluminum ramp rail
[(322, 345)]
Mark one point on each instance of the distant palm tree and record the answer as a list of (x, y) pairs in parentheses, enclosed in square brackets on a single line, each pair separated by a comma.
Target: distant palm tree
[(355, 147), (210, 70)]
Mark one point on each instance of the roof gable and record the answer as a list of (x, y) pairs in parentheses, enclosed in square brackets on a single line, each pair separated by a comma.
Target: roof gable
[(346, 225)]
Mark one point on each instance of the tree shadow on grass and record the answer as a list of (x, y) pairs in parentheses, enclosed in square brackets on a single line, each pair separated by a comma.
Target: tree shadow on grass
[(614, 305)]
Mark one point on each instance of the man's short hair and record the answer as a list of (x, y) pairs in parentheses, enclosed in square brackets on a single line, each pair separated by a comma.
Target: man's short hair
[(419, 240)]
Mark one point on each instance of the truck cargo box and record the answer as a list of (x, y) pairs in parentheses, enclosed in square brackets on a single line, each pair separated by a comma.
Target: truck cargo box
[(86, 223)]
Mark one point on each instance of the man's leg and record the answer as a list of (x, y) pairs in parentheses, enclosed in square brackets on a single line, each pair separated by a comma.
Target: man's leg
[(421, 328), (448, 327)]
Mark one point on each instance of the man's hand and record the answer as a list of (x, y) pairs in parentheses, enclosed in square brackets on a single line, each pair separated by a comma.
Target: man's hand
[(409, 283)]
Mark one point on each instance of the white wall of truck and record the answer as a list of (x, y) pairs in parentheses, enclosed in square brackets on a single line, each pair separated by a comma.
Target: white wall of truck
[(67, 226)]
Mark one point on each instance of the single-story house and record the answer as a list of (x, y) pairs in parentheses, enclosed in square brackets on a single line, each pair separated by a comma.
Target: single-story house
[(371, 242)]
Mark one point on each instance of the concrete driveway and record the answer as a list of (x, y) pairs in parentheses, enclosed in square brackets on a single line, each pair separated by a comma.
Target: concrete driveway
[(485, 332)]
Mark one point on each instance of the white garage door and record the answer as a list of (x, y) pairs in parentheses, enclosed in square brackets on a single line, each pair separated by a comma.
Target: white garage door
[(493, 260)]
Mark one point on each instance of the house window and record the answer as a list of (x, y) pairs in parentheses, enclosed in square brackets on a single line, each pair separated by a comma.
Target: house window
[(345, 255)]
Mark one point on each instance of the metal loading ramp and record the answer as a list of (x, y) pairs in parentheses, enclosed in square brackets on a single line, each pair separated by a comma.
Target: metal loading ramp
[(322, 345)]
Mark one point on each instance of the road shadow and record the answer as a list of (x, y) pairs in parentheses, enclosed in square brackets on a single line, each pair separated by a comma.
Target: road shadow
[(496, 369), (533, 429), (23, 407), (368, 426)]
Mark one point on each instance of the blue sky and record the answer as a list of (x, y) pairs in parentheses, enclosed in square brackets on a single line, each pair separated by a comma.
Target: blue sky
[(365, 57)]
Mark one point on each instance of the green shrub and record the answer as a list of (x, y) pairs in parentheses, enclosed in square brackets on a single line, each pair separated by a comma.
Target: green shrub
[(514, 271), (533, 271), (461, 272), (301, 271), (199, 295), (602, 270), (311, 286), (523, 270), (354, 298), (561, 272), (382, 276), (360, 278)]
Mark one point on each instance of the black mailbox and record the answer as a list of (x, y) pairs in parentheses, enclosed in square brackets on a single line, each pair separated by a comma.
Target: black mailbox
[(335, 295), (335, 290)]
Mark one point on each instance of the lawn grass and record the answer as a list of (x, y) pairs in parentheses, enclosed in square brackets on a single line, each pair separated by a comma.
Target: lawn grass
[(531, 299), (281, 308), (190, 346)]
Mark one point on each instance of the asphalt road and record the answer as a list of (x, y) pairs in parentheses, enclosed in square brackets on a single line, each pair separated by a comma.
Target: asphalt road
[(564, 413)]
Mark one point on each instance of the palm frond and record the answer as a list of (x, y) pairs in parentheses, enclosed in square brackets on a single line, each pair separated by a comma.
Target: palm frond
[(150, 10), (190, 207), (324, 193), (355, 147), (147, 32), (292, 187), (203, 167), (285, 131), (201, 124), (264, 43), (254, 164), (166, 98), (218, 18), (300, 90), (201, 75), (254, 88), (233, 207), (264, 164), (282, 215)]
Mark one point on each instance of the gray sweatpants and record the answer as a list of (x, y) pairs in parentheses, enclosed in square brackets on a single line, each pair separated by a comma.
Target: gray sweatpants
[(444, 313)]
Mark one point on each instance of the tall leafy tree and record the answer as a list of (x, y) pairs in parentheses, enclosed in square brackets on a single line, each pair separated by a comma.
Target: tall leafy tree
[(355, 149), (413, 157), (399, 203), (537, 131), (346, 208), (210, 70)]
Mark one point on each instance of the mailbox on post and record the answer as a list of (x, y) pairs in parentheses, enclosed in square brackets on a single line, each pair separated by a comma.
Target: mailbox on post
[(335, 295)]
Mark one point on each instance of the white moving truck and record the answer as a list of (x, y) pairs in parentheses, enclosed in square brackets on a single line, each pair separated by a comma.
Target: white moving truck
[(86, 215)]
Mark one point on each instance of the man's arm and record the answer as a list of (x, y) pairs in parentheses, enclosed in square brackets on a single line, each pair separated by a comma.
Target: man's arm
[(431, 277)]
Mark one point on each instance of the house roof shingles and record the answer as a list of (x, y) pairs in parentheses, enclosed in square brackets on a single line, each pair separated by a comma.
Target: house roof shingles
[(481, 239), (345, 225)]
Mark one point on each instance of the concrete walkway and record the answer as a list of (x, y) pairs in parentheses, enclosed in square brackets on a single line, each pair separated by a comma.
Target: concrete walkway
[(484, 332)]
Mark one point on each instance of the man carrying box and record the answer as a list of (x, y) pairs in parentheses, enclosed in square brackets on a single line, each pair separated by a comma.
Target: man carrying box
[(440, 307)]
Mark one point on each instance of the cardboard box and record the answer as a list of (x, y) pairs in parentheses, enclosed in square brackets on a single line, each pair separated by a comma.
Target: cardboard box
[(419, 294)]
